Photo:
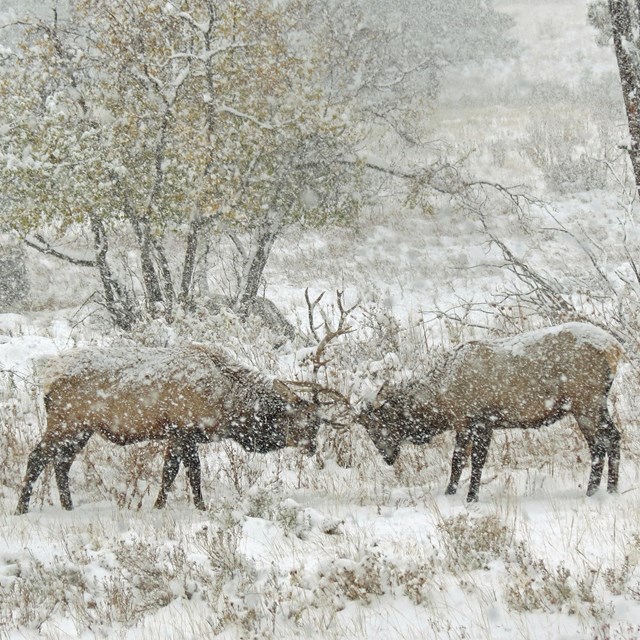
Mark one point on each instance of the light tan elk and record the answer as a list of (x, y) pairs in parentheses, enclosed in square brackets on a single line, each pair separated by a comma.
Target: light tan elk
[(527, 381), (188, 395)]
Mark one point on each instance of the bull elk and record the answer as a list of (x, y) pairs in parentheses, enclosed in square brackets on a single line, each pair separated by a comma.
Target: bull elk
[(527, 381), (187, 395)]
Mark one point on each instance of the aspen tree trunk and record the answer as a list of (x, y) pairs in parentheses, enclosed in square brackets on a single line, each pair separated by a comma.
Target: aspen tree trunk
[(628, 64), (119, 301)]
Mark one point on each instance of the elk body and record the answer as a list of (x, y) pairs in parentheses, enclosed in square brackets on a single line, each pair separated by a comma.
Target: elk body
[(527, 381), (187, 395)]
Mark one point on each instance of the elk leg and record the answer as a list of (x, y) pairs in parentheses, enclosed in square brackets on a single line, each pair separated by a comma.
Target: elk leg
[(172, 458), (597, 449), (598, 452), (611, 436), (481, 439), (65, 455), (457, 461), (38, 460), (192, 463)]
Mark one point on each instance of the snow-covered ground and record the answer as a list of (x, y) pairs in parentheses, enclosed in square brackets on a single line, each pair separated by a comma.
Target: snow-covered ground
[(340, 545)]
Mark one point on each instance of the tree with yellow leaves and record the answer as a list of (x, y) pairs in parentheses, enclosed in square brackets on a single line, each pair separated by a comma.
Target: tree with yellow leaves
[(149, 121)]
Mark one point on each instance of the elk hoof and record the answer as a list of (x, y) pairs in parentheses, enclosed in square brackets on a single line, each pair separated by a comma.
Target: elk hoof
[(451, 490), (472, 497)]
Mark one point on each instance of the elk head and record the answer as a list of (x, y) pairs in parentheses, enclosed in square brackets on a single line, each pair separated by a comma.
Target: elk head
[(301, 420), (394, 417)]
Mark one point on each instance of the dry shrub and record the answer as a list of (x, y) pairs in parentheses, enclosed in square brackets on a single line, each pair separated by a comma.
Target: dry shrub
[(238, 467), (472, 543), (618, 578), (36, 590), (136, 577), (533, 586), (369, 575)]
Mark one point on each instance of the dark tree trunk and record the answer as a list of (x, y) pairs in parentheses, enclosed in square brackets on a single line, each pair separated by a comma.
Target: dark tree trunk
[(156, 275), (168, 293), (622, 23), (118, 300), (152, 290), (254, 266), (14, 281), (196, 227)]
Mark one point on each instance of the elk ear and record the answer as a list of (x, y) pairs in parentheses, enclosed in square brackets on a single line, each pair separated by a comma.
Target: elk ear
[(366, 416), (381, 396), (289, 396), (375, 402)]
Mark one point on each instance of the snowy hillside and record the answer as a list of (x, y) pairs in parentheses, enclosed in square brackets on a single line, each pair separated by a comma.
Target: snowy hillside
[(340, 545)]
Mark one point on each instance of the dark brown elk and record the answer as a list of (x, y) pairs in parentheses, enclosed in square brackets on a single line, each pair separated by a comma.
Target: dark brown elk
[(527, 381), (187, 395)]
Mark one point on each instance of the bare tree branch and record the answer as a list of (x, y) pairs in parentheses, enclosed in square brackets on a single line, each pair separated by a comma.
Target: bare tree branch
[(46, 248)]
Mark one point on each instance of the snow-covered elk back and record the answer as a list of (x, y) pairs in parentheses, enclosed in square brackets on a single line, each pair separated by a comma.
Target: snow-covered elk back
[(187, 395), (527, 381)]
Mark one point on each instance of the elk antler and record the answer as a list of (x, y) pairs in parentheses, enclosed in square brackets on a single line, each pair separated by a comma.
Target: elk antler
[(283, 389), (345, 408), (318, 359), (318, 389)]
